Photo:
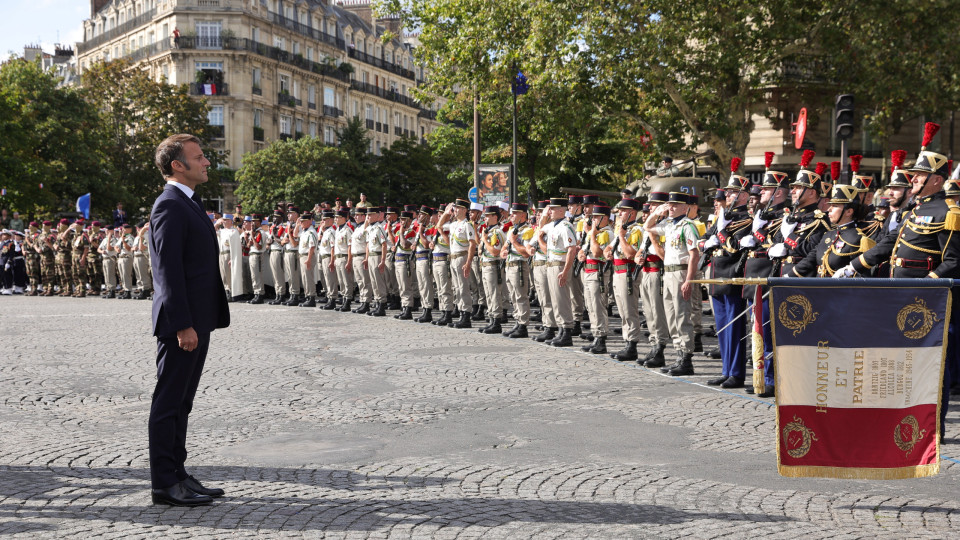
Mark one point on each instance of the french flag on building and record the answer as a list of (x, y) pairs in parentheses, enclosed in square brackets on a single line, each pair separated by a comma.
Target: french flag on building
[(859, 367)]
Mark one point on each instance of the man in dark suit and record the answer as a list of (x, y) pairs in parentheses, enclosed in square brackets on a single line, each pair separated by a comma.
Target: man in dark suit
[(119, 215), (188, 304)]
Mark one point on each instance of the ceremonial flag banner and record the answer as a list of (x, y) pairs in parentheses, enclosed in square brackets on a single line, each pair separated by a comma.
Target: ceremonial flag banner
[(859, 372)]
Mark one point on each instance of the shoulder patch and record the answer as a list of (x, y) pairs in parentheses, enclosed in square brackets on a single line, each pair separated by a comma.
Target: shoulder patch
[(952, 222)]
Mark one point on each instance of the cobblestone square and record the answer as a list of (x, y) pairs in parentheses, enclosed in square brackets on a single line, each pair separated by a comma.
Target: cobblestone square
[(329, 425)]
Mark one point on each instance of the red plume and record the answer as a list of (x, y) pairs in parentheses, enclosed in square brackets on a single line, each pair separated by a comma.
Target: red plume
[(735, 164), (897, 157), (821, 168), (929, 131), (767, 159), (835, 170), (855, 163), (806, 158)]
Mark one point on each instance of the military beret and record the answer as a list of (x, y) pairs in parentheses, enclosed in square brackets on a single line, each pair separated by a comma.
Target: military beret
[(95, 224)]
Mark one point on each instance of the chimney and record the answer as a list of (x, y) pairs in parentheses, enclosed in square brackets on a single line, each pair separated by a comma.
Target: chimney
[(360, 8), (96, 6)]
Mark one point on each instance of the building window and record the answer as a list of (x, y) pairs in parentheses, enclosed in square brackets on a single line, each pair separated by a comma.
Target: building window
[(328, 97), (312, 94), (369, 112), (300, 125), (215, 116), (285, 123), (313, 129), (296, 47), (329, 136), (284, 84), (258, 118), (356, 108), (255, 34), (256, 78), (208, 34), (310, 53), (396, 119), (278, 42)]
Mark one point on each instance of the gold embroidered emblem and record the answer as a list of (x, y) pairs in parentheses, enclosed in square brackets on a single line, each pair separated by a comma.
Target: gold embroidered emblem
[(798, 438), (907, 434), (916, 320), (796, 312)]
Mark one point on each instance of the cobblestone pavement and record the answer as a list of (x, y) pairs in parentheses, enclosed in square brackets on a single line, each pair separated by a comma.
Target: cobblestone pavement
[(326, 425)]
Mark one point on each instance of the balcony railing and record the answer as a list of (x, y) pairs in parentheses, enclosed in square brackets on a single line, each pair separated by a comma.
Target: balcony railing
[(257, 91), (200, 89), (379, 126), (285, 136), (369, 124), (306, 30), (288, 100), (391, 94), (257, 133), (398, 131), (274, 53), (117, 31), (311, 105), (150, 50), (217, 132), (380, 63), (428, 114), (332, 112)]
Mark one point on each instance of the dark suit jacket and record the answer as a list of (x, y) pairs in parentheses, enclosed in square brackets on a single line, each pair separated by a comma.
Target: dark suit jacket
[(119, 217), (184, 256)]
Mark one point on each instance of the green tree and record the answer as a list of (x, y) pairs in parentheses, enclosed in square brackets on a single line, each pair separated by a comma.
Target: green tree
[(303, 172), (136, 114), (407, 173), (49, 136)]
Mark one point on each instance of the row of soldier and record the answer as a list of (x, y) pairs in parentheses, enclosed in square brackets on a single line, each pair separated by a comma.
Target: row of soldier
[(78, 259)]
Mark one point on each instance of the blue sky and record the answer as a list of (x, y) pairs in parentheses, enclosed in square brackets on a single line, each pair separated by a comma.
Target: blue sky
[(38, 21)]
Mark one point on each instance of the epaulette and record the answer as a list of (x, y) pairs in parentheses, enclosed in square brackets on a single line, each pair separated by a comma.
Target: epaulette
[(866, 243), (818, 214), (528, 233), (952, 221)]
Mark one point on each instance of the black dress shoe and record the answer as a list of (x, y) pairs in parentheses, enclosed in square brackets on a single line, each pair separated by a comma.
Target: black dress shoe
[(768, 392), (179, 495), (748, 389), (718, 381), (195, 486), (732, 382)]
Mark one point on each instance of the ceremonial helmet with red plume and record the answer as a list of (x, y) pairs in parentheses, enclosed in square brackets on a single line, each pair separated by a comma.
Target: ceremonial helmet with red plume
[(863, 182), (899, 177), (807, 178), (737, 182), (772, 179), (927, 161)]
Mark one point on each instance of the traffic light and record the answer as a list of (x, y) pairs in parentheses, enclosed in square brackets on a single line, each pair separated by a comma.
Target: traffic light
[(844, 115)]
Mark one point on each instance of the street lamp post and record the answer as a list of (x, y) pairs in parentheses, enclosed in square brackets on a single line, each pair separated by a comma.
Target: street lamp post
[(519, 87)]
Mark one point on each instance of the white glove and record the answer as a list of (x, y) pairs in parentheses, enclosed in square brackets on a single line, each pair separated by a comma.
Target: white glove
[(845, 272), (748, 242), (777, 251), (712, 242), (722, 220), (787, 228), (758, 223)]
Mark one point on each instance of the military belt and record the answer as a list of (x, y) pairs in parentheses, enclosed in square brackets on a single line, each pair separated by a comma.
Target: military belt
[(674, 267), (342, 255), (401, 257), (423, 257), (554, 264), (511, 264), (927, 263), (495, 262), (791, 259), (422, 252), (374, 253), (455, 256), (621, 268), (322, 257), (591, 268), (758, 255), (539, 263), (440, 256)]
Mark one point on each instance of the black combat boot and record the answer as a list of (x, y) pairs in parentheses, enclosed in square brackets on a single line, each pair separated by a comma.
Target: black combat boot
[(345, 307), (666, 369), (380, 310), (393, 302), (364, 307), (654, 358), (257, 299), (464, 321), (494, 327), (576, 330), (698, 343), (445, 318), (599, 346), (520, 332), (331, 303), (309, 302), (685, 367), (510, 330), (479, 313), (426, 316), (277, 300), (547, 334), (292, 301), (502, 319), (455, 313), (489, 324), (564, 339), (406, 314), (627, 354)]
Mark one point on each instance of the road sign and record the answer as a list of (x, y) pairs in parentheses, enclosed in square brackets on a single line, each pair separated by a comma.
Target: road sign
[(472, 194)]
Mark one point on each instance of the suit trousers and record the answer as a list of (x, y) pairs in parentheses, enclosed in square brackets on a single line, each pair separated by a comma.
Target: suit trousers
[(492, 282), (344, 277), (126, 272), (677, 311), (540, 281), (461, 285), (110, 272), (562, 305), (178, 375), (443, 280), (276, 268), (595, 300), (377, 278), (518, 286), (291, 270), (256, 272), (425, 283), (732, 349), (651, 294), (627, 295), (307, 275)]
